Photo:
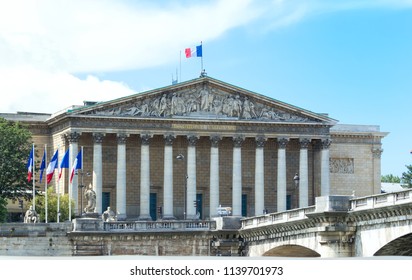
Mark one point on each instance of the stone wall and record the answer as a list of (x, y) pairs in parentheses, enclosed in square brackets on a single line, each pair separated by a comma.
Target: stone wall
[(18, 239)]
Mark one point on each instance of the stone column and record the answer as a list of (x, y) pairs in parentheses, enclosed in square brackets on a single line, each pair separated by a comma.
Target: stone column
[(73, 189), (121, 177), (237, 176), (259, 176), (324, 168), (214, 175), (191, 177), (145, 178), (168, 178), (98, 170), (303, 173), (281, 181)]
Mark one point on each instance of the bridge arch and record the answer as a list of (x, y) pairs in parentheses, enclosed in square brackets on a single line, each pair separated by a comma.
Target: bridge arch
[(401, 246), (294, 251)]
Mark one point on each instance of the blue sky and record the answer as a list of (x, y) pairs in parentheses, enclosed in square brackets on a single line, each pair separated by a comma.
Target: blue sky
[(350, 59)]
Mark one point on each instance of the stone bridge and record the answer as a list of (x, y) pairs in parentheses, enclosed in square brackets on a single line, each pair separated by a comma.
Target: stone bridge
[(337, 226)]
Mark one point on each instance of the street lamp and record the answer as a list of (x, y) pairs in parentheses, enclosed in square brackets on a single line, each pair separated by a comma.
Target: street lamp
[(296, 181), (182, 157)]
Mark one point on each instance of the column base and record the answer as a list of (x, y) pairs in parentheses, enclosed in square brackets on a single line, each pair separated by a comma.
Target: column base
[(145, 218), (192, 217), (121, 217), (168, 218)]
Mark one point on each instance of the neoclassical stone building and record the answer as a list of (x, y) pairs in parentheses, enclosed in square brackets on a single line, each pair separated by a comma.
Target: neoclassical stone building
[(184, 150)]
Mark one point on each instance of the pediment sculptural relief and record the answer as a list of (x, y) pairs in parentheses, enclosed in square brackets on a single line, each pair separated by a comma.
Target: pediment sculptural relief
[(201, 103)]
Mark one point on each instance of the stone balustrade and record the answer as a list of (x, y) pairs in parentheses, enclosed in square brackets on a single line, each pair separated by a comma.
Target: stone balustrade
[(277, 218), (381, 200), (120, 226)]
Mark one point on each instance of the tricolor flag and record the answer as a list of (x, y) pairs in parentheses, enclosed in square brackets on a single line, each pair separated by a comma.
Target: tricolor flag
[(77, 164), (52, 165), (30, 165), (64, 163), (197, 52), (42, 165)]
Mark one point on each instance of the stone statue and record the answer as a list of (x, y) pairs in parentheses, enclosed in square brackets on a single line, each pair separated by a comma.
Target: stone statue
[(31, 216), (109, 215), (90, 197)]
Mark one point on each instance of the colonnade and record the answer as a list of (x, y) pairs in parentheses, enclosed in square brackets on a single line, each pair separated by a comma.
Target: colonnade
[(190, 195)]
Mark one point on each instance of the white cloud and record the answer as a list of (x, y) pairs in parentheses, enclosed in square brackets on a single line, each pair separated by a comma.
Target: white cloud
[(33, 90), (43, 43)]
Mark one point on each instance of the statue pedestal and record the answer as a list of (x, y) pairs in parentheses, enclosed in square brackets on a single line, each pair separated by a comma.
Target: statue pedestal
[(91, 215), (88, 222)]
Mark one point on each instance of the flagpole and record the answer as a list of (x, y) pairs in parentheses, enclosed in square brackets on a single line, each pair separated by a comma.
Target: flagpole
[(180, 66), (34, 179), (201, 58), (70, 187), (58, 194), (81, 189), (45, 182)]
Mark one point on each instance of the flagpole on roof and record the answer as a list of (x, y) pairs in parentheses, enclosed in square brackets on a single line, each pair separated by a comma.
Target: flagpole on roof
[(201, 58), (180, 66)]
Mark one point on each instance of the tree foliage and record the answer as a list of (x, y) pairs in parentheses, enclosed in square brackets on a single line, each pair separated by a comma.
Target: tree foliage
[(14, 152), (407, 177), (52, 199), (390, 178), (3, 210)]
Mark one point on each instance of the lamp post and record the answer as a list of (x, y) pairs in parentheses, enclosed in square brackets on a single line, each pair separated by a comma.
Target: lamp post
[(182, 157), (296, 181)]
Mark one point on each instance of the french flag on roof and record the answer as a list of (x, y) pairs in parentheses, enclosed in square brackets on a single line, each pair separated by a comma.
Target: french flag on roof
[(196, 52)]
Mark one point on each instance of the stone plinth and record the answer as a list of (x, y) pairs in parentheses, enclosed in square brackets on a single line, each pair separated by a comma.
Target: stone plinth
[(88, 224), (228, 223), (335, 203)]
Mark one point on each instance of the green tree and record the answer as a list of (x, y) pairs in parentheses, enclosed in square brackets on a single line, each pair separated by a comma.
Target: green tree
[(14, 151), (407, 177), (3, 210), (390, 178), (52, 198)]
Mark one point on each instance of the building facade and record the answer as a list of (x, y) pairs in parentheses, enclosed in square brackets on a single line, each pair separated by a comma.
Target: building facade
[(183, 151)]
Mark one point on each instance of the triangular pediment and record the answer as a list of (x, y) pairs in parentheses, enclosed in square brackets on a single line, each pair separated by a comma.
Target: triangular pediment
[(203, 98)]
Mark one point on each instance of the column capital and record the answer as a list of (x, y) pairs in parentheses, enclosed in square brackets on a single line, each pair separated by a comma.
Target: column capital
[(169, 139), (377, 152), (237, 141), (98, 137), (260, 141), (282, 142), (192, 140), (304, 143), (121, 138), (215, 140), (73, 137), (325, 143), (145, 138)]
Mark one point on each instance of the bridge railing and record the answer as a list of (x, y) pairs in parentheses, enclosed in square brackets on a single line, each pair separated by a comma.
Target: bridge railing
[(193, 225), (381, 200), (277, 218)]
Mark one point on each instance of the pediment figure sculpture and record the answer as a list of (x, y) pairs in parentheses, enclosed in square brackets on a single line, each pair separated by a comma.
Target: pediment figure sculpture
[(201, 102)]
